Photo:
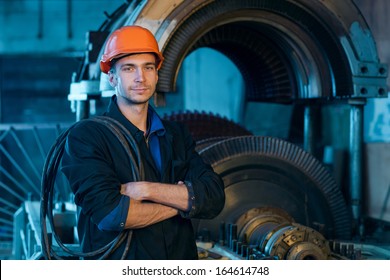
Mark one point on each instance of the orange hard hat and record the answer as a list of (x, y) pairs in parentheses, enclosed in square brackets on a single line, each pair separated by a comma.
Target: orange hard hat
[(129, 40)]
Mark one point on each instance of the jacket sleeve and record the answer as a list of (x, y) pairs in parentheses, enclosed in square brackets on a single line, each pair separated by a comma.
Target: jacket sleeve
[(87, 164), (205, 187)]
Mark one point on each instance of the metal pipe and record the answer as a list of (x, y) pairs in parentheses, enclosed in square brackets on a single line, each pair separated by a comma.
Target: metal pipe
[(40, 19), (7, 212), (11, 191), (308, 129), (356, 162), (39, 142), (14, 180), (28, 159), (9, 204), (19, 169), (385, 202), (82, 110), (311, 128), (69, 10)]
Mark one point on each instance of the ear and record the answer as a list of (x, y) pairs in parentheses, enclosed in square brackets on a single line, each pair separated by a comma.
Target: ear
[(112, 79)]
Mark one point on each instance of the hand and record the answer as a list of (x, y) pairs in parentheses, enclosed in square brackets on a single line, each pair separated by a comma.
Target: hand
[(136, 190)]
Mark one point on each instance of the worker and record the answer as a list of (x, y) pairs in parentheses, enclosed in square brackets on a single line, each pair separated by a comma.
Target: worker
[(178, 185)]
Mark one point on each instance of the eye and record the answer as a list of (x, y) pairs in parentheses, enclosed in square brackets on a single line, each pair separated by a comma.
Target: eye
[(150, 67), (128, 69)]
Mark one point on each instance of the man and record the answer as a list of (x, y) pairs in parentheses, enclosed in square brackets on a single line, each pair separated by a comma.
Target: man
[(177, 184)]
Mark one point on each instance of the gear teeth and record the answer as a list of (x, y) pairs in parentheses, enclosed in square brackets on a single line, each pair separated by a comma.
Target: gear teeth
[(204, 125), (287, 153)]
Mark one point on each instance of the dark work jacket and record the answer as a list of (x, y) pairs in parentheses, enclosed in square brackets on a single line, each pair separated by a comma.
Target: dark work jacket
[(96, 165)]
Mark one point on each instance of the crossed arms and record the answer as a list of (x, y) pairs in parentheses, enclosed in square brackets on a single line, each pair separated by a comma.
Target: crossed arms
[(153, 202)]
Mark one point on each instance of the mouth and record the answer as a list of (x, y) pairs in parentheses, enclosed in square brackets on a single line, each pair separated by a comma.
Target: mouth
[(139, 89)]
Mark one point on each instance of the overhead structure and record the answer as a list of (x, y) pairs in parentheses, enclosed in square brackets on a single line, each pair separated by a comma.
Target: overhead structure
[(285, 50)]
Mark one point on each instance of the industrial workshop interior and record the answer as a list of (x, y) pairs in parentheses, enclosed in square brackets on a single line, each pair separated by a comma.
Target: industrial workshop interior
[(288, 100)]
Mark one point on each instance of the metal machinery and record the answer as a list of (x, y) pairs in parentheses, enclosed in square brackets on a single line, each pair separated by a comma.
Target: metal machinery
[(282, 202)]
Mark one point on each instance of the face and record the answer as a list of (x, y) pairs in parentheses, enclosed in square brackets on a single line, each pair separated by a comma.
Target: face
[(135, 78)]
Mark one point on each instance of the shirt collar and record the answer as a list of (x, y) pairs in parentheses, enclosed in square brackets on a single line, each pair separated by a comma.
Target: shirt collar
[(156, 125)]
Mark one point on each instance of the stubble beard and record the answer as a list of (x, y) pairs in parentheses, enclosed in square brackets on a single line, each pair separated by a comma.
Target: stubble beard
[(136, 99)]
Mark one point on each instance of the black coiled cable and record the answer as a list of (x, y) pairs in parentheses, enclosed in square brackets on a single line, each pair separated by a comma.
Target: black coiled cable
[(50, 169)]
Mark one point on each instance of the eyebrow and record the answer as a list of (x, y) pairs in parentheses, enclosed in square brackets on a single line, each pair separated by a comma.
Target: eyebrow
[(143, 64)]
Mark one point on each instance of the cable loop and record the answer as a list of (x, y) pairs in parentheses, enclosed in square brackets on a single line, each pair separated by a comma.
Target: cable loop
[(50, 169)]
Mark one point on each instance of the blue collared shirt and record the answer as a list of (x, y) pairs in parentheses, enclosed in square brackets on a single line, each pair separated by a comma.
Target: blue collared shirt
[(155, 129)]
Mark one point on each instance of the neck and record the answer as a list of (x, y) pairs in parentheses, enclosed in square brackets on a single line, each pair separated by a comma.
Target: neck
[(137, 114)]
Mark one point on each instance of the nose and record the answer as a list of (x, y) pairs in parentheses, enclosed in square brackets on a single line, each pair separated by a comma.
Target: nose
[(140, 75)]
